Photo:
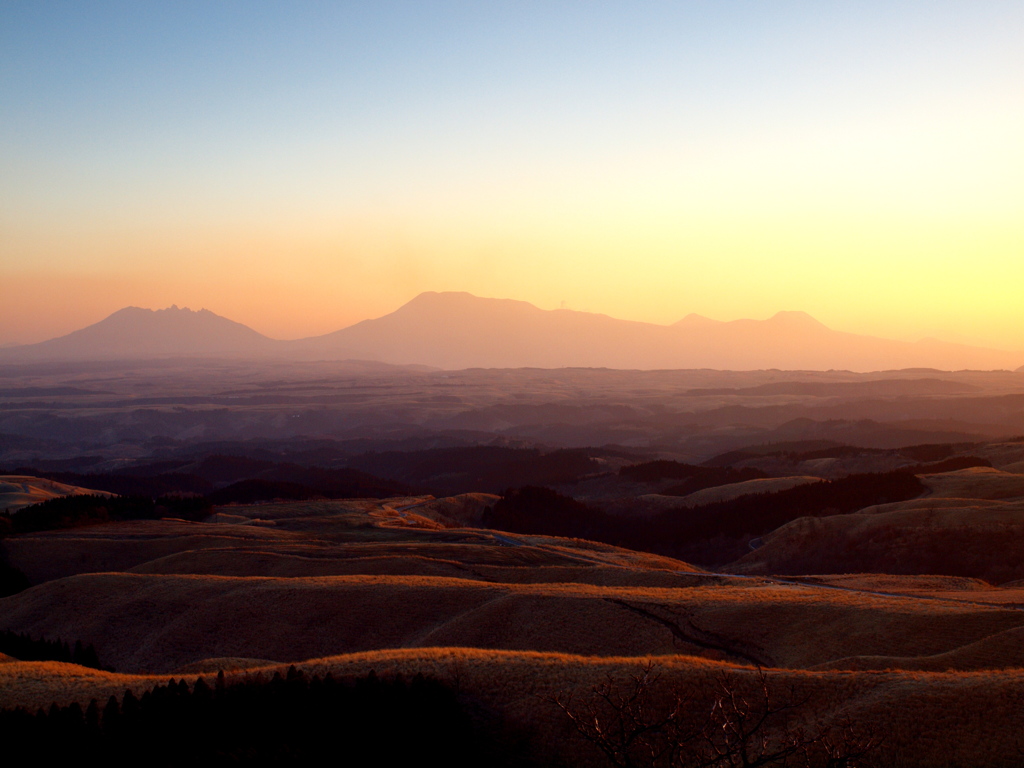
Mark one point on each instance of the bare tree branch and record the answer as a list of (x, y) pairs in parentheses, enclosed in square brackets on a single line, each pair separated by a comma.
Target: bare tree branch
[(643, 722)]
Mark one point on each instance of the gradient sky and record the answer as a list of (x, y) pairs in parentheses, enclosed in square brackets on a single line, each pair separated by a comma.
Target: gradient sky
[(301, 166)]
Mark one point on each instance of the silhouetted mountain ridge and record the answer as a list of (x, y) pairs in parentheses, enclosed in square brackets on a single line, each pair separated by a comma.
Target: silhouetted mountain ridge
[(458, 330), (134, 332)]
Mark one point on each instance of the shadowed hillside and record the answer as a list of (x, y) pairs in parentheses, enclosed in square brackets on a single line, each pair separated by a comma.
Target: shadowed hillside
[(535, 610), (307, 717)]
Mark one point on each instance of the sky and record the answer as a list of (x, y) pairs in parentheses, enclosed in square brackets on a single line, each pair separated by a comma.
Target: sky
[(301, 166)]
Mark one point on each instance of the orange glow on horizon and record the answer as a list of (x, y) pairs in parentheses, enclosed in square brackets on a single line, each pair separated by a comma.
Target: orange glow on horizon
[(861, 164)]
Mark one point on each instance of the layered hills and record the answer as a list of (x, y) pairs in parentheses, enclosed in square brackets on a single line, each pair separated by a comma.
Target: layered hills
[(515, 621), (533, 534), (17, 491), (459, 330), (288, 582)]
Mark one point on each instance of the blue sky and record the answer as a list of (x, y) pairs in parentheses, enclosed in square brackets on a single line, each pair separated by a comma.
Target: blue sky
[(730, 158)]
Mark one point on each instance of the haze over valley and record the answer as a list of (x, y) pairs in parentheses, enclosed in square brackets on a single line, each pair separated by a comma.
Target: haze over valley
[(514, 384), (468, 494)]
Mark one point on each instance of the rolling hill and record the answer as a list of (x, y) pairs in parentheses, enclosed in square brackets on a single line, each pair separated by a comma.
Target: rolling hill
[(928, 666), (17, 491)]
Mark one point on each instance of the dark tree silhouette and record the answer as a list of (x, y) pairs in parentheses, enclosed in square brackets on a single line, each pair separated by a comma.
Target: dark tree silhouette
[(26, 648), (290, 720)]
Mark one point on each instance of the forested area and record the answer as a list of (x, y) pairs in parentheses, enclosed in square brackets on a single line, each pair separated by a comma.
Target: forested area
[(88, 509), (26, 648), (289, 720)]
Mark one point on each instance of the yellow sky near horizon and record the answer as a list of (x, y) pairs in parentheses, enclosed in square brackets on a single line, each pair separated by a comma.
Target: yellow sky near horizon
[(896, 265), (862, 164), (884, 277)]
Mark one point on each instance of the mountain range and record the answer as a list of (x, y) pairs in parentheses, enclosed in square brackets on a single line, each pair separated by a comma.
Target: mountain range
[(458, 330)]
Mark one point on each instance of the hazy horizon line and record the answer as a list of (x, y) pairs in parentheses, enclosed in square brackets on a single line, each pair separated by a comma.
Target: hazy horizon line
[(695, 315)]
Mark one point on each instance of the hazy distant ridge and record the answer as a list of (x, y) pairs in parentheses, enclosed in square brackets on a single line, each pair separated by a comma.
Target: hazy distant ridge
[(133, 332), (459, 330)]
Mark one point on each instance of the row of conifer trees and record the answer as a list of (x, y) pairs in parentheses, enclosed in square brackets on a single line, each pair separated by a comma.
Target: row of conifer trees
[(26, 648), (288, 720)]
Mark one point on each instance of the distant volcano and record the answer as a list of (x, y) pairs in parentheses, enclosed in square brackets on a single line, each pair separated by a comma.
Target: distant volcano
[(134, 333), (459, 330)]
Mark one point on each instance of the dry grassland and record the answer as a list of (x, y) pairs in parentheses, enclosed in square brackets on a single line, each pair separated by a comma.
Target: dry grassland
[(17, 491), (120, 546), (929, 503), (975, 483), (884, 582), (1003, 650), (358, 585), (931, 719), (234, 562), (223, 664), (954, 588), (746, 488), (161, 622), (354, 509), (1002, 455), (652, 503), (982, 539), (463, 510)]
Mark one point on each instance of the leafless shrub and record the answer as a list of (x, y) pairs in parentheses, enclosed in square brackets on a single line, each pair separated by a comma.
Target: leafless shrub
[(643, 722), (629, 725)]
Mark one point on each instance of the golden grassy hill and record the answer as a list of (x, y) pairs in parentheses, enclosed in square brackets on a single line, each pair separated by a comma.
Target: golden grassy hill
[(1002, 455), (464, 510), (955, 588), (982, 539), (1002, 650), (309, 545), (413, 561), (160, 622), (653, 503), (971, 589), (18, 491), (184, 592), (736, 490), (222, 664), (354, 585), (975, 483), (119, 546), (931, 720)]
